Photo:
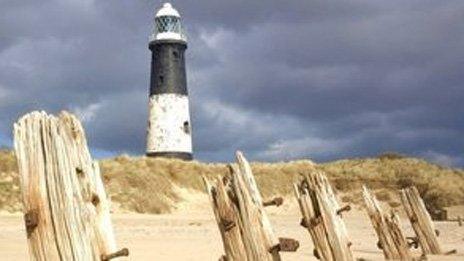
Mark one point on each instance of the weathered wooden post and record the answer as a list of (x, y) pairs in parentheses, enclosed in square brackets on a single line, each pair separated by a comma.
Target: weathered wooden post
[(239, 210), (228, 221), (65, 204), (421, 221), (388, 228), (322, 216)]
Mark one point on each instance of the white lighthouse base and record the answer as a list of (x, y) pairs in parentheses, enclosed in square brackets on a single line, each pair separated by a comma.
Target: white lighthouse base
[(169, 128)]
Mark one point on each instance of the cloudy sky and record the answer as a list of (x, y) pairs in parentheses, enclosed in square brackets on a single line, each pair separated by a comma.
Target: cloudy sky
[(277, 79)]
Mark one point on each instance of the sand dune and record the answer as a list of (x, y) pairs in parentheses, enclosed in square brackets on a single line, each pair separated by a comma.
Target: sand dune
[(130, 181)]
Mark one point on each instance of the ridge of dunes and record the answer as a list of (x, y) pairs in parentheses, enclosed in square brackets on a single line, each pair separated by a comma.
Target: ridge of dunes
[(148, 185)]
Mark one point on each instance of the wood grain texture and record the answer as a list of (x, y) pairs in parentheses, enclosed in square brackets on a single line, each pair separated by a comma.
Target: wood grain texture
[(227, 219), (245, 228), (388, 228), (421, 221), (60, 185), (319, 208)]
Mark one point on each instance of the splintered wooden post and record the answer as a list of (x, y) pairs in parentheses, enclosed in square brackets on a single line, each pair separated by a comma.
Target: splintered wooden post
[(65, 204), (227, 220), (239, 210), (388, 228), (260, 233), (421, 221), (322, 217)]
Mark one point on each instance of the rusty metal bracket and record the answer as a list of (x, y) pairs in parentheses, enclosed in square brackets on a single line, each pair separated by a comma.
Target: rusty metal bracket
[(79, 171), (451, 252), (312, 222), (413, 242), (285, 245), (31, 220), (227, 224), (122, 252), (288, 244), (379, 245), (344, 209), (95, 199), (277, 201), (303, 223)]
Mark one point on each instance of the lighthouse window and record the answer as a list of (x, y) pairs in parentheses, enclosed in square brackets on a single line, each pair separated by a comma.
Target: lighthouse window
[(186, 127), (167, 24), (175, 54), (161, 78)]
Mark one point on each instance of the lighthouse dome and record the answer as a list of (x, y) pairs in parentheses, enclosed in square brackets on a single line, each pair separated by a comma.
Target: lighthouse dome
[(167, 10), (168, 25)]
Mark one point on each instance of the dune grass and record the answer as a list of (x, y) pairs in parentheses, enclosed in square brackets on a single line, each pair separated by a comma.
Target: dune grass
[(9, 182), (147, 185)]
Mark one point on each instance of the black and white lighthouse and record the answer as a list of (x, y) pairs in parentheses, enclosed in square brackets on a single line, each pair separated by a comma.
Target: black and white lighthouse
[(169, 130)]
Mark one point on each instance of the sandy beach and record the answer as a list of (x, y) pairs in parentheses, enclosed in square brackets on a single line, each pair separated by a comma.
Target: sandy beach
[(180, 236)]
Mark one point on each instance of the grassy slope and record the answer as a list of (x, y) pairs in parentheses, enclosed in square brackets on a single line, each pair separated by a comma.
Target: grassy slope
[(147, 185), (9, 182)]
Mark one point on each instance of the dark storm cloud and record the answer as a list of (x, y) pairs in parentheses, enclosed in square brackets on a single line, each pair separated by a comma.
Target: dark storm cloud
[(279, 80)]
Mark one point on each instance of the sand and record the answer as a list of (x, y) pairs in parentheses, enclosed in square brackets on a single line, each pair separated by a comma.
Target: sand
[(193, 235)]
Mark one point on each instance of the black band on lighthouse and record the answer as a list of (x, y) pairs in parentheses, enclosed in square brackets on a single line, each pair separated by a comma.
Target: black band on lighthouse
[(168, 67), (171, 154)]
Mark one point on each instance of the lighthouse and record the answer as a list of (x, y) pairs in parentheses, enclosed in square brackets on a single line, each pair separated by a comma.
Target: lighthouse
[(169, 131)]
